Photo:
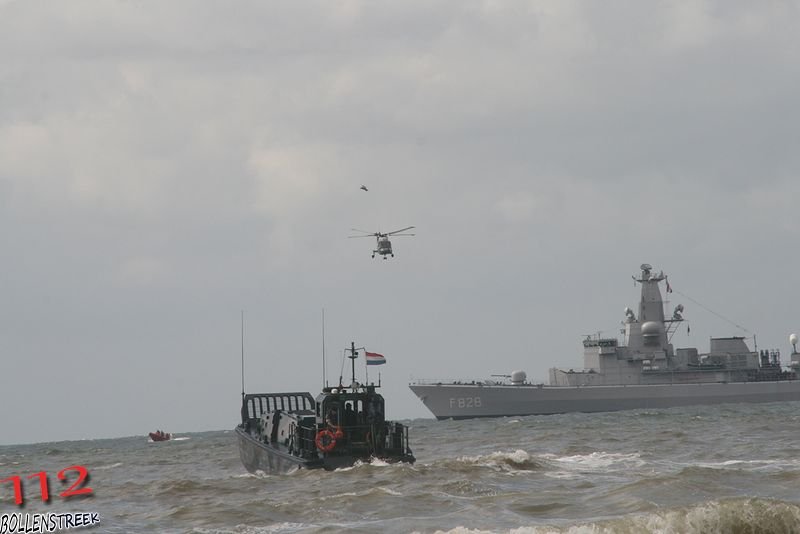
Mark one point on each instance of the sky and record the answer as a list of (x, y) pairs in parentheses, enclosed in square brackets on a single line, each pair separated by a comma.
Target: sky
[(166, 167)]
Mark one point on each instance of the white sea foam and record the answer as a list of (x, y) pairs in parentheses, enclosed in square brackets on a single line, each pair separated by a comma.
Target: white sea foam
[(518, 456), (598, 461), (103, 467), (511, 462), (754, 465), (250, 475), (258, 474), (339, 495), (377, 462), (576, 466)]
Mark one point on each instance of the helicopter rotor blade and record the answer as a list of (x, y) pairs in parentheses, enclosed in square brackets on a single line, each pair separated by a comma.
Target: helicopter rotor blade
[(400, 230), (398, 235), (366, 234)]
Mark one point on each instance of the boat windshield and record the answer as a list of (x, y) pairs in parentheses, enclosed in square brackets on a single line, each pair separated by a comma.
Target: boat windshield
[(346, 410)]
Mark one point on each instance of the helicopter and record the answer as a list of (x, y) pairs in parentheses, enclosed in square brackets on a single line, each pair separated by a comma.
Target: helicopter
[(384, 245)]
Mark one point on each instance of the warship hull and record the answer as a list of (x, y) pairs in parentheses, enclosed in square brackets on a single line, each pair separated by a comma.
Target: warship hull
[(460, 401), (644, 370)]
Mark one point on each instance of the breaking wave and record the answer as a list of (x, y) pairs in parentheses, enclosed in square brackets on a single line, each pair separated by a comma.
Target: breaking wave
[(732, 516), (517, 460)]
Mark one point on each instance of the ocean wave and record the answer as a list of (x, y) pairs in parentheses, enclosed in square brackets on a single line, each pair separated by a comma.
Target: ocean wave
[(517, 460), (338, 496), (597, 461), (389, 491), (104, 467), (362, 493), (768, 465), (258, 474), (360, 464), (751, 516), (283, 528), (183, 487), (716, 472)]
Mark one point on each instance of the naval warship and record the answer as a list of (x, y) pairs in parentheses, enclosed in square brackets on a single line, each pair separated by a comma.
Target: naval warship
[(281, 432), (642, 371)]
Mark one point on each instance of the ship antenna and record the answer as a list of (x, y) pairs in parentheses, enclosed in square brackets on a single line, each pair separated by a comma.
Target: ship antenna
[(242, 355), (713, 312), (324, 382), (353, 356), (341, 369)]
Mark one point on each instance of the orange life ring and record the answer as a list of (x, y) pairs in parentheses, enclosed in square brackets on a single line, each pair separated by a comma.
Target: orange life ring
[(325, 440)]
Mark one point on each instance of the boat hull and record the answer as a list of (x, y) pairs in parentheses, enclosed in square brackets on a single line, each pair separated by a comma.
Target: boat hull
[(258, 456), (464, 401)]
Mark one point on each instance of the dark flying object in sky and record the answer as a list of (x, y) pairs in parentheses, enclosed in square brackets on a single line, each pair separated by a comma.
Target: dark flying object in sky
[(364, 187)]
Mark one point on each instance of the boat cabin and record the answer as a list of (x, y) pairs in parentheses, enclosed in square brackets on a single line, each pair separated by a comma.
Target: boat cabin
[(356, 414)]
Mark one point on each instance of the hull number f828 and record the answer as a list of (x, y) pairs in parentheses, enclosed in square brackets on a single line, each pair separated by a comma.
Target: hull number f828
[(465, 402)]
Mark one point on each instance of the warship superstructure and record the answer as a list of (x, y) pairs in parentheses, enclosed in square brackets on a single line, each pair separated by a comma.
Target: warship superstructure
[(644, 371)]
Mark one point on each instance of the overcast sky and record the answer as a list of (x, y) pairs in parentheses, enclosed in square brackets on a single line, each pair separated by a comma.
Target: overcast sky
[(166, 165)]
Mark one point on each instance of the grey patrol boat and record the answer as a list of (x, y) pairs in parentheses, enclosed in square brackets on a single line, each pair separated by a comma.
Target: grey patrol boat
[(643, 372), (281, 432)]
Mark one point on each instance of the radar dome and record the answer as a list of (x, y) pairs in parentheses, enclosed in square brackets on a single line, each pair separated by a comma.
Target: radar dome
[(651, 328), (793, 339), (651, 332), (518, 377)]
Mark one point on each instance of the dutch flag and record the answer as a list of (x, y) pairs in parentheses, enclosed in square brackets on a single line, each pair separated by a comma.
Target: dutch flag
[(373, 358)]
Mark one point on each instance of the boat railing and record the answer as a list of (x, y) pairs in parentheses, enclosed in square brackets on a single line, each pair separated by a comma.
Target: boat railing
[(606, 342), (392, 438), (301, 441), (398, 439), (254, 405), (382, 437), (455, 382)]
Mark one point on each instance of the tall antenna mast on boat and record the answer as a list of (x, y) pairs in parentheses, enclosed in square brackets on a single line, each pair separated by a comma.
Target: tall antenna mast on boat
[(242, 355), (324, 374), (353, 356)]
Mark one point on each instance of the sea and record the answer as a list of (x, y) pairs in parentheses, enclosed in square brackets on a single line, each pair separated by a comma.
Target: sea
[(712, 469)]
